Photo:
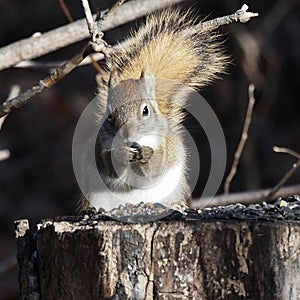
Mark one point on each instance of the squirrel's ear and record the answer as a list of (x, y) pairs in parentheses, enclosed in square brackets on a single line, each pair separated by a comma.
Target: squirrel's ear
[(146, 73), (149, 80), (113, 78)]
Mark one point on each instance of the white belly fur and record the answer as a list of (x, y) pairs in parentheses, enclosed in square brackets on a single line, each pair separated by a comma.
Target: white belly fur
[(166, 191)]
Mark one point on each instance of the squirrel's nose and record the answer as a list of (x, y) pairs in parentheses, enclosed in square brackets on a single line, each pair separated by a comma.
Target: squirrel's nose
[(127, 131)]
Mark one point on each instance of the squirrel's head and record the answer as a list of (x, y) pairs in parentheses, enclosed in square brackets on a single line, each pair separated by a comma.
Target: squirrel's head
[(132, 108)]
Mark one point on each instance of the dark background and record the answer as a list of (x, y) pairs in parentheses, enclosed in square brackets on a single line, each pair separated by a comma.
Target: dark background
[(38, 181)]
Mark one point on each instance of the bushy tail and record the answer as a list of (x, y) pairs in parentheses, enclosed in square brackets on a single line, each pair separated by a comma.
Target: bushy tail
[(172, 47)]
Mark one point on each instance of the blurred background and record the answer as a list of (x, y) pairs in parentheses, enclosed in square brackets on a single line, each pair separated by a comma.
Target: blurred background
[(37, 181)]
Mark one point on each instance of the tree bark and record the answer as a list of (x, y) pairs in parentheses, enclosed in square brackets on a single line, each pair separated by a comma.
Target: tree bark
[(28, 273), (225, 259)]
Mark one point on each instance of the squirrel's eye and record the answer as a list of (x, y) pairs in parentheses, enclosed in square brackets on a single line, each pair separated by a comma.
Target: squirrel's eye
[(109, 118), (145, 112)]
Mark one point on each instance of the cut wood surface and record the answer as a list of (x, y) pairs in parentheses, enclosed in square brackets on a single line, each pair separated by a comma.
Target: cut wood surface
[(84, 258)]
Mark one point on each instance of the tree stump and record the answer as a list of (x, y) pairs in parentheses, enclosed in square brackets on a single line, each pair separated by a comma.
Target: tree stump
[(180, 258)]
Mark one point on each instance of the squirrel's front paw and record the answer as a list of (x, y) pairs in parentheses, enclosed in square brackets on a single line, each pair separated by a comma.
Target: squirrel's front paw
[(124, 155), (143, 154)]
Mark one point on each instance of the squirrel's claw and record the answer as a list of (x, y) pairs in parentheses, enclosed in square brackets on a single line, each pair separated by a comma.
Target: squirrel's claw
[(144, 154)]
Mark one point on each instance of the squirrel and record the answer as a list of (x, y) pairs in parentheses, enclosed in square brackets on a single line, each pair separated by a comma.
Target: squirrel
[(140, 150)]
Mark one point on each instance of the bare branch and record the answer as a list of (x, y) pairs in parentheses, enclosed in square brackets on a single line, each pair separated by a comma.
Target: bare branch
[(98, 45), (66, 10), (248, 197), (128, 42), (100, 56), (2, 121), (115, 6), (88, 60), (14, 103), (33, 47), (54, 77), (14, 92), (286, 150), (70, 18), (287, 176), (240, 15), (243, 139), (88, 16), (138, 9), (95, 30), (95, 27), (39, 64)]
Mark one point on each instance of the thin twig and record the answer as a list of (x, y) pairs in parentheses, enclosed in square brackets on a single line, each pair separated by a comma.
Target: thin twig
[(12, 104), (286, 150), (95, 30), (39, 64), (14, 92), (100, 18), (2, 119), (248, 197), (241, 15), (243, 139), (70, 18), (66, 11), (114, 7), (95, 27), (287, 175), (8, 263), (34, 47), (285, 178), (51, 65), (88, 16)]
